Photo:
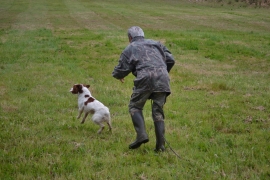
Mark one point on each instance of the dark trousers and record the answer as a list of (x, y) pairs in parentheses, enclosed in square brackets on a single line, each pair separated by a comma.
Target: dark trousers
[(138, 101)]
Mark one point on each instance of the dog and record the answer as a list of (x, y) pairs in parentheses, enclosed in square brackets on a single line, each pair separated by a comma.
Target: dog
[(88, 104)]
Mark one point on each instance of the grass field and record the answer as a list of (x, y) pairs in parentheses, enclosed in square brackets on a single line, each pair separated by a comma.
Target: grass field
[(217, 117)]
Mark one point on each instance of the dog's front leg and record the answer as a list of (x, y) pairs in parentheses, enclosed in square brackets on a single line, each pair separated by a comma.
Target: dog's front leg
[(80, 113), (86, 114)]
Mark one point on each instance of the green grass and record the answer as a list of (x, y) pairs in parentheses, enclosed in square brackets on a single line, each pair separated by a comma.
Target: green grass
[(217, 117)]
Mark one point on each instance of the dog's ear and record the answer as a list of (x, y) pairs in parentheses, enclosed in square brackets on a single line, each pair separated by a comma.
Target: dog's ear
[(76, 89), (79, 87), (88, 86)]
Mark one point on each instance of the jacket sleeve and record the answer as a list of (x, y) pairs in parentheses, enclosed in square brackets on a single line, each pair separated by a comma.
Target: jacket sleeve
[(123, 68), (169, 59)]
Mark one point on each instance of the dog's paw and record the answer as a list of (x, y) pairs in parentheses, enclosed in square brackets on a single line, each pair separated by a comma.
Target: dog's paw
[(100, 130)]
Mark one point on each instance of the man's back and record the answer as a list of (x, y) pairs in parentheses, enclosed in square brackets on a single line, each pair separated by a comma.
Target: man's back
[(146, 61), (146, 54)]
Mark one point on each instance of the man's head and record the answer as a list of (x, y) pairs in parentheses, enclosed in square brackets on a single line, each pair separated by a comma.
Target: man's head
[(135, 31)]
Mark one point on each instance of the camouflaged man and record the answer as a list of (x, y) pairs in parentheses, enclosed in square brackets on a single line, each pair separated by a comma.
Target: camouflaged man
[(150, 62)]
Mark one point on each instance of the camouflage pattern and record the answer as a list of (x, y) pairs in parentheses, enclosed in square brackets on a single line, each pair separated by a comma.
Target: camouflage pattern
[(149, 61), (138, 101)]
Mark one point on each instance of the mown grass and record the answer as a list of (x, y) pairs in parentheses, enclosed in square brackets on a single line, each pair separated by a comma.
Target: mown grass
[(217, 118)]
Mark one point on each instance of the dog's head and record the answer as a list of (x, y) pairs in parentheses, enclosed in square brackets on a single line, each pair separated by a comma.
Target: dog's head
[(78, 88)]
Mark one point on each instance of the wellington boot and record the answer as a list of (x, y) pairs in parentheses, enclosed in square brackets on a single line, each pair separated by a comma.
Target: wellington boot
[(160, 140), (142, 137)]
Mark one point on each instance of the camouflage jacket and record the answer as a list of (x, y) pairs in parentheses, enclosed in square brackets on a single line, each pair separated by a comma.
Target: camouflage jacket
[(150, 62)]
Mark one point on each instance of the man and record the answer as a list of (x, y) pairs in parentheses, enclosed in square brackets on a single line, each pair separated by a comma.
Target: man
[(150, 62)]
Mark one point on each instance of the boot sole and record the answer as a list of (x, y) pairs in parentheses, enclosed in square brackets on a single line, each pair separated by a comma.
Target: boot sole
[(138, 144)]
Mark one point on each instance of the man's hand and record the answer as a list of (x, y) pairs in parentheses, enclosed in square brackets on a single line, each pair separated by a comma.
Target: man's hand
[(122, 80)]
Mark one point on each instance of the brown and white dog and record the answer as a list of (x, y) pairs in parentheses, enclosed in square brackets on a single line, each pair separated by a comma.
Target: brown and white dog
[(88, 104)]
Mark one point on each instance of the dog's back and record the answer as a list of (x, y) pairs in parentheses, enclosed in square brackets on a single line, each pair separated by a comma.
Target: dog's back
[(94, 106)]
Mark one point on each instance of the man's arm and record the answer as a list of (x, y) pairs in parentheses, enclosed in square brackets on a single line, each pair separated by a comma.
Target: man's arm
[(122, 69), (169, 59)]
